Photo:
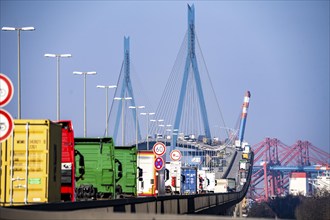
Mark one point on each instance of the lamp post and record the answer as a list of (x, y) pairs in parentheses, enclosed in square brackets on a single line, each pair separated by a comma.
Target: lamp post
[(167, 130), (58, 56), (123, 116), (159, 120), (136, 122), (18, 61), (84, 74), (106, 104), (147, 114)]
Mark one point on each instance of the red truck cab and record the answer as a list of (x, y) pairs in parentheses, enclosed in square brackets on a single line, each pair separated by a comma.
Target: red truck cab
[(68, 161)]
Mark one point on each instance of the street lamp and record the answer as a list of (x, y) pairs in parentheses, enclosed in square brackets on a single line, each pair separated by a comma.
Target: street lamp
[(106, 104), (84, 74), (147, 114), (167, 130), (136, 121), (58, 56), (159, 120), (123, 116), (18, 61)]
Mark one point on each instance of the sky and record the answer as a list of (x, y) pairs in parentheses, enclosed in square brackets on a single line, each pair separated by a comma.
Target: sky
[(278, 50)]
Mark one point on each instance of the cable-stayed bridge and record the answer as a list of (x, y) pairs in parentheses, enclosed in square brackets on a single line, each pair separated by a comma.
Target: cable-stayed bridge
[(181, 121)]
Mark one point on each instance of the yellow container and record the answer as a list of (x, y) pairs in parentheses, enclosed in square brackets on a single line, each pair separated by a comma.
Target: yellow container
[(245, 156), (31, 163)]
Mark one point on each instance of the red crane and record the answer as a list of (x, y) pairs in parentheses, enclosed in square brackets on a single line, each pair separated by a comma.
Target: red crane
[(274, 161)]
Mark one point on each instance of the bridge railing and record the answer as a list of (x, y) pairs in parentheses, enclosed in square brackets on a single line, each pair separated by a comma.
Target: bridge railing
[(176, 204)]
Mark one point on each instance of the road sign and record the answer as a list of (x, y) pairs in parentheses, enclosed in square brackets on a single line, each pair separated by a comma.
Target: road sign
[(159, 149), (159, 163), (175, 155), (6, 125), (6, 90)]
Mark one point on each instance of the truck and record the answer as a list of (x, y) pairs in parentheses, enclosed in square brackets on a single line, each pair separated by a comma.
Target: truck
[(104, 170), (126, 160), (201, 181), (96, 174), (242, 177), (188, 184), (225, 185), (246, 154), (173, 180), (243, 164), (246, 148), (68, 161), (147, 174), (30, 160), (210, 178)]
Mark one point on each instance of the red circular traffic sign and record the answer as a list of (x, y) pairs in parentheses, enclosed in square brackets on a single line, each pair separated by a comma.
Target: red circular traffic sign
[(175, 155), (6, 90), (159, 149), (6, 125), (159, 163)]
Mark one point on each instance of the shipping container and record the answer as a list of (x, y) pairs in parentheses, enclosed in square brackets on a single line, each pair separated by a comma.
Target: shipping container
[(68, 164), (126, 160), (245, 156), (31, 163), (225, 185), (147, 174), (188, 180), (96, 175)]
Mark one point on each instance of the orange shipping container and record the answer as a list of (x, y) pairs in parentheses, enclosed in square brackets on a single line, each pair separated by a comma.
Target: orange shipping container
[(31, 163)]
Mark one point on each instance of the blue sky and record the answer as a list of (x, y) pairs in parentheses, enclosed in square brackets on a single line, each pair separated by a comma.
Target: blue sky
[(279, 50)]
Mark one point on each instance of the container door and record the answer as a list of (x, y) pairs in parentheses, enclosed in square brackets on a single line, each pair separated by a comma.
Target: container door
[(27, 165)]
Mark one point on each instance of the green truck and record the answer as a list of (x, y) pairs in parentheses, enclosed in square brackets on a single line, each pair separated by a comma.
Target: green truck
[(104, 171)]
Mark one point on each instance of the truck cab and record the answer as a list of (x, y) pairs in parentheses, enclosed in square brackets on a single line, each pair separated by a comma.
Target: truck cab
[(68, 158)]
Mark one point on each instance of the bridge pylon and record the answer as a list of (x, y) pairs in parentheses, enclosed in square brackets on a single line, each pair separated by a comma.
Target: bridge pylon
[(124, 94), (191, 64)]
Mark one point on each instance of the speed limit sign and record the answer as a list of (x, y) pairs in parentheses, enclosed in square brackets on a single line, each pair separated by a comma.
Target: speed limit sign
[(159, 149)]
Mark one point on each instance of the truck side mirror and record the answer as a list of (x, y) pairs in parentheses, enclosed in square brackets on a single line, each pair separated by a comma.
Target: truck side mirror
[(167, 174), (140, 174), (120, 169), (183, 178)]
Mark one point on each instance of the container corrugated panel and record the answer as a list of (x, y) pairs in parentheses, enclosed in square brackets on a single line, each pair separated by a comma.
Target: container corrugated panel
[(127, 157), (31, 163)]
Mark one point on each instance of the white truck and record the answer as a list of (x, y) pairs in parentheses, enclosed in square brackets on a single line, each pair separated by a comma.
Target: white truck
[(201, 181), (172, 184), (243, 164), (210, 180), (225, 185), (147, 174)]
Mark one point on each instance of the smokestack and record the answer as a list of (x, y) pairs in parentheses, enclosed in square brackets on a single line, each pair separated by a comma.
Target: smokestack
[(244, 115)]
